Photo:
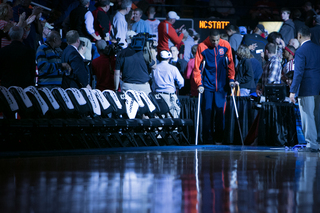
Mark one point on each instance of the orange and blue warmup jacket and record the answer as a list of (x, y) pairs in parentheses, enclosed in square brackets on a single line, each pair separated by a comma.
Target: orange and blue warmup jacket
[(216, 73)]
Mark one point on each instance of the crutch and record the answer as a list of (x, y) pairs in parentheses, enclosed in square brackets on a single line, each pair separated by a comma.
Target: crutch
[(237, 115), (198, 113)]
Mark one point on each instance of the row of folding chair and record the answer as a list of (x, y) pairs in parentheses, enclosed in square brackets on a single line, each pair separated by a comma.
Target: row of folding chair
[(85, 118)]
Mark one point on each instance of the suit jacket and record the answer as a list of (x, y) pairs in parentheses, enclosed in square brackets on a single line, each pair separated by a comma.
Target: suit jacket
[(306, 77), (17, 65), (79, 76)]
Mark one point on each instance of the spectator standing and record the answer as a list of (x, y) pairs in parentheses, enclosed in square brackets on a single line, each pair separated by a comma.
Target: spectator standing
[(102, 20), (276, 38), (166, 32), (189, 73), (295, 43), (49, 63), (306, 86), (194, 35), (47, 28), (181, 46), (6, 14), (181, 64), (315, 31), (153, 23), (17, 61), (244, 72), (309, 13), (287, 30), (165, 77), (188, 44), (213, 80), (103, 68), (81, 20), (79, 76), (134, 69), (139, 25), (32, 40), (271, 70), (256, 42), (120, 25), (235, 39), (257, 71), (288, 54), (297, 20)]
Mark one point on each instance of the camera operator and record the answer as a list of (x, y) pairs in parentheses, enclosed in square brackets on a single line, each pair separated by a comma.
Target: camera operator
[(132, 63)]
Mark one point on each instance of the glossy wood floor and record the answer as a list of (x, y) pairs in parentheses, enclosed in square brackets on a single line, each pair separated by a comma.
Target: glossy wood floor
[(164, 180)]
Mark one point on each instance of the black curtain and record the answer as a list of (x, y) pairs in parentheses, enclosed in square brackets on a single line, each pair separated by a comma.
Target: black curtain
[(277, 125), (247, 114), (189, 110)]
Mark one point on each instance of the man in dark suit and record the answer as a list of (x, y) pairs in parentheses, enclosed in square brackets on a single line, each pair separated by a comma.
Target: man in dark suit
[(306, 85), (17, 62), (79, 76)]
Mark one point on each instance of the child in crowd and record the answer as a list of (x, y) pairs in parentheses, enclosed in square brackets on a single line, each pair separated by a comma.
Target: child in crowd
[(288, 54)]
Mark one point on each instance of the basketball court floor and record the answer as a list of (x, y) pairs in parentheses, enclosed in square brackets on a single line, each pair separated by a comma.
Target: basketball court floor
[(161, 179)]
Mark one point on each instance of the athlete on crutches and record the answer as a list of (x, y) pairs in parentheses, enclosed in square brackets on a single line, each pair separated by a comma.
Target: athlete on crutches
[(212, 81), (198, 109)]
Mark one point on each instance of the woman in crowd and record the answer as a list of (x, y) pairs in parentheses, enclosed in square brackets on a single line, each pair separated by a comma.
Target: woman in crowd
[(244, 72)]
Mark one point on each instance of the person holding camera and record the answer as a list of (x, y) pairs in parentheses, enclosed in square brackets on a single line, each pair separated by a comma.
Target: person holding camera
[(134, 67)]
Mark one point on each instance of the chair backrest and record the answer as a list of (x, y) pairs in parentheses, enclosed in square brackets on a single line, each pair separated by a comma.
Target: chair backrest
[(92, 100), (64, 101), (40, 106), (118, 106), (54, 107), (79, 102), (8, 105), (26, 107), (162, 107), (135, 105), (150, 108), (105, 106)]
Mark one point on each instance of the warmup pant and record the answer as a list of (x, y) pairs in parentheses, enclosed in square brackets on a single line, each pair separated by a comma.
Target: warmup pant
[(213, 104)]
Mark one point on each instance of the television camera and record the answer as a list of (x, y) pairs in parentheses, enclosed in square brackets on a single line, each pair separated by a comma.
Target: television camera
[(113, 48), (142, 40)]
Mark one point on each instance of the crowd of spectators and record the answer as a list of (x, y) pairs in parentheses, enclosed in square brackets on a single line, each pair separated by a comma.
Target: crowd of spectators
[(98, 48)]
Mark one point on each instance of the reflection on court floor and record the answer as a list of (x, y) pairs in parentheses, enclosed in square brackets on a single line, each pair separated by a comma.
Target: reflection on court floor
[(161, 179)]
